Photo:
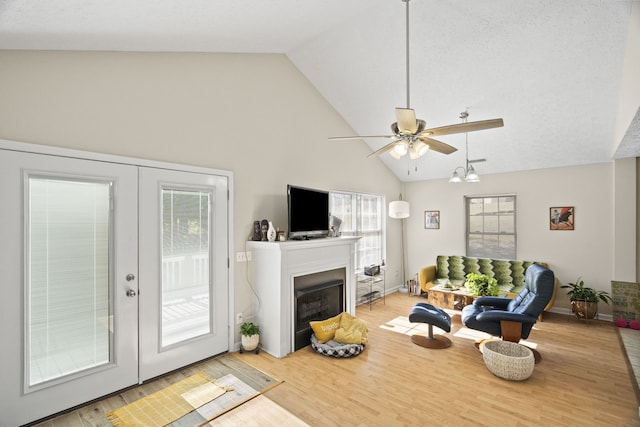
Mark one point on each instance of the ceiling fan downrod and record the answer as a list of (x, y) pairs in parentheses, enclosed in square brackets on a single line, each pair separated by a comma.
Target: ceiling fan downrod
[(407, 51)]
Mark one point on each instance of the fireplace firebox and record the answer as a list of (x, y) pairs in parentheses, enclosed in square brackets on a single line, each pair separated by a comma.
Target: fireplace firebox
[(316, 302)]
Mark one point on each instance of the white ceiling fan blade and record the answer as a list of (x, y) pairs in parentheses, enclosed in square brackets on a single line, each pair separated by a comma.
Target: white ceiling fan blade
[(384, 149), (438, 146), (406, 119), (464, 127), (344, 138)]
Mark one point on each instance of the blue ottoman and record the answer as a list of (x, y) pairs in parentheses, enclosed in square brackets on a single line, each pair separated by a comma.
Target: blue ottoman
[(431, 315)]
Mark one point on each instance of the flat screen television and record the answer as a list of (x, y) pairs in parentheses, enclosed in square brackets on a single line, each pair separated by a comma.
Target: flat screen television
[(308, 213)]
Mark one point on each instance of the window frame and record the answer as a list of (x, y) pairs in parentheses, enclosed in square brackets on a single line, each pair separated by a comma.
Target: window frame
[(505, 213), (379, 232)]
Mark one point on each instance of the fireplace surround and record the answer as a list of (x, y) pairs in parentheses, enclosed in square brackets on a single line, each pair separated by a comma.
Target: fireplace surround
[(280, 269)]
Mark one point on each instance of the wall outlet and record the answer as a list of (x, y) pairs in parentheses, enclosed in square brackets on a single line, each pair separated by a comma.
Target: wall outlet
[(241, 256), (239, 319)]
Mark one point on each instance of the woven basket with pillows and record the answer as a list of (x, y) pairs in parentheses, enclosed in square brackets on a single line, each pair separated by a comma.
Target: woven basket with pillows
[(340, 336)]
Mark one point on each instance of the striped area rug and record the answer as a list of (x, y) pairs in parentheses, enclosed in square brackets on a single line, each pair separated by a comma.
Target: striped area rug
[(169, 404)]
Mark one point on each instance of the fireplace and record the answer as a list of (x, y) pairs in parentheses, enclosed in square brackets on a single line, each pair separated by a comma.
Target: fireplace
[(317, 302), (282, 269)]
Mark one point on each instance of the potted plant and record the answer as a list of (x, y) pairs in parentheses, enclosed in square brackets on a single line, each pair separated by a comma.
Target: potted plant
[(481, 285), (250, 335), (584, 300)]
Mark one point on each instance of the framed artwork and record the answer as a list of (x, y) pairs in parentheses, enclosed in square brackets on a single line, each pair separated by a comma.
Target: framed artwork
[(561, 218), (432, 220)]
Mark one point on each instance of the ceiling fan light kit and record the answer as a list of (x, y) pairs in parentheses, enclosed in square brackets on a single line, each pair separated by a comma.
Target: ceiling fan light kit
[(400, 148), (418, 149), (409, 133)]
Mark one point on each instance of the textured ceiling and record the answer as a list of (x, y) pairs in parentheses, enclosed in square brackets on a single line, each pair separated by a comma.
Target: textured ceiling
[(551, 69)]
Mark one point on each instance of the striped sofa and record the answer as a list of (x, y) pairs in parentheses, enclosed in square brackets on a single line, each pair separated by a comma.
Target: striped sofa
[(510, 274)]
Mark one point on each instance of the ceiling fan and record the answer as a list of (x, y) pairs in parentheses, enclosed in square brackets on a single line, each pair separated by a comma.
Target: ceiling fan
[(410, 134)]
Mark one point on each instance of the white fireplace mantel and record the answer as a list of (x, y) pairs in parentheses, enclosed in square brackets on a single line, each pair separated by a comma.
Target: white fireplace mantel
[(276, 265)]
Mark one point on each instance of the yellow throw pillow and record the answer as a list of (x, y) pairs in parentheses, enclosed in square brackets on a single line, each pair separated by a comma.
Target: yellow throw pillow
[(344, 336), (346, 321), (352, 330), (326, 329)]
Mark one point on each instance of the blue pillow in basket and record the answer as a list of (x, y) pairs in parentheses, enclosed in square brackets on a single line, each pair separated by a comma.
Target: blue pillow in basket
[(335, 349)]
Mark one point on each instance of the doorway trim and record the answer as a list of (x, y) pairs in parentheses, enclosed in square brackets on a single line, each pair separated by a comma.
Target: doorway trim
[(133, 161)]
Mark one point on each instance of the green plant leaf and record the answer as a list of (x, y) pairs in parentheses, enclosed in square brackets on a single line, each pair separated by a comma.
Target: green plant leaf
[(248, 329)]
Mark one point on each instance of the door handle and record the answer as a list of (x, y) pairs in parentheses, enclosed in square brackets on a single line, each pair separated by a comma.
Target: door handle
[(130, 277), (131, 293)]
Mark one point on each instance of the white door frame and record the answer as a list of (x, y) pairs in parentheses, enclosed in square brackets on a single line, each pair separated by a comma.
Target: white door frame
[(84, 155)]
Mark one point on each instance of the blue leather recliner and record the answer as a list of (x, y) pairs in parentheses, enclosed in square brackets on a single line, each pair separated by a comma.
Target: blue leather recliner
[(512, 319)]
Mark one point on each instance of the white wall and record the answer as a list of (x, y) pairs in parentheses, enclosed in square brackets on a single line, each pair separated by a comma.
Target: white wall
[(628, 105), (625, 220), (254, 115), (587, 251), (257, 116)]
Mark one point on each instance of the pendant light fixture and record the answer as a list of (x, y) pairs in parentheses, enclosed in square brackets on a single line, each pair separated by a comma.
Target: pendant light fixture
[(469, 174)]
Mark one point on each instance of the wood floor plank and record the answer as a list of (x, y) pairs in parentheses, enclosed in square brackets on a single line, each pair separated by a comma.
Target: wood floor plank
[(582, 380)]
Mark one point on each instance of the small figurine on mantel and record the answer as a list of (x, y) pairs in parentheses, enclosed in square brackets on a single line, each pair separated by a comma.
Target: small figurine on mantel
[(264, 227), (257, 234)]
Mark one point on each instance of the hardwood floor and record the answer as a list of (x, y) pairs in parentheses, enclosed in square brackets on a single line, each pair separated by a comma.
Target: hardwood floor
[(583, 380)]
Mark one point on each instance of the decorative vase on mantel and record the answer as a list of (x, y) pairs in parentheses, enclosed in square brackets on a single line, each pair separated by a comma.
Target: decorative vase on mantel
[(271, 232)]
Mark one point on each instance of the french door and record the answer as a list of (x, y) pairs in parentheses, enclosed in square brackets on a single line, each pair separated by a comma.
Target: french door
[(183, 274), (94, 292)]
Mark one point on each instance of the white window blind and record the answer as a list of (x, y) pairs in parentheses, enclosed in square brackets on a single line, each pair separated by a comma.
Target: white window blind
[(68, 247), (186, 290)]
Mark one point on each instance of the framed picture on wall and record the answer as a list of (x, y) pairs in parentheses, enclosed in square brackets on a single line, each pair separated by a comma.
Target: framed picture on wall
[(432, 220), (561, 218)]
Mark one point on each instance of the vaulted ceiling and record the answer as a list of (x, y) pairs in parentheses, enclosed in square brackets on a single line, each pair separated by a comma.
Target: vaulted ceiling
[(551, 69)]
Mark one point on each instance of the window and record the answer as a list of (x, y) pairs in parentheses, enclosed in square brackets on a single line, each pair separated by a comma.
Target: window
[(186, 218), (491, 226), (69, 257), (362, 215)]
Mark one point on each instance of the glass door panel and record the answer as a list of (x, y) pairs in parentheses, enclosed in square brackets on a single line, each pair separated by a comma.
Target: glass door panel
[(68, 246), (185, 265), (184, 303)]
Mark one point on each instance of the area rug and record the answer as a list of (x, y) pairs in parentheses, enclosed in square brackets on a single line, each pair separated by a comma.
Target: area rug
[(168, 404), (259, 411), (237, 395), (239, 380)]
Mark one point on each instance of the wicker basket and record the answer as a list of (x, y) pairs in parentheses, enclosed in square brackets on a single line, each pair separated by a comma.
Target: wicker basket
[(508, 360)]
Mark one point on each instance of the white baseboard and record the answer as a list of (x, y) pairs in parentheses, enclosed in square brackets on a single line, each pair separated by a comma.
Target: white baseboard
[(567, 311)]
